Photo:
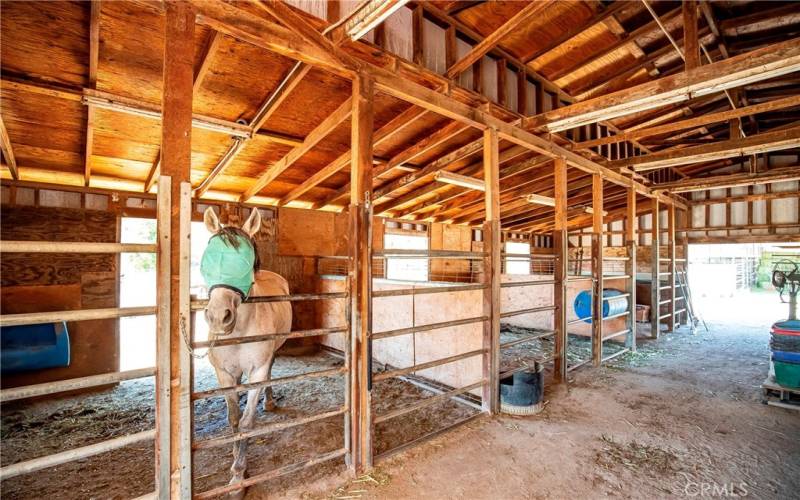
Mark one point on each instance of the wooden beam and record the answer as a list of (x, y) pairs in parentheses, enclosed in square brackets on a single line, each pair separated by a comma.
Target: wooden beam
[(561, 250), (732, 180), (488, 43), (655, 262), (8, 152), (94, 57), (176, 143), (706, 119), (360, 263), (491, 271), (761, 143), (418, 36), (597, 269), (320, 132), (367, 16), (690, 40), (765, 63), (631, 237)]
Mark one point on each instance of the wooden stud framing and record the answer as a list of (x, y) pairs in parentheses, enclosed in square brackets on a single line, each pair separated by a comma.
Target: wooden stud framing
[(561, 251), (360, 276), (631, 229), (597, 269), (176, 153), (8, 152), (492, 249), (655, 283), (671, 264)]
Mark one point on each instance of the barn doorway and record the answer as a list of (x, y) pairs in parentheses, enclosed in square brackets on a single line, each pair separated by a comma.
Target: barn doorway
[(137, 287)]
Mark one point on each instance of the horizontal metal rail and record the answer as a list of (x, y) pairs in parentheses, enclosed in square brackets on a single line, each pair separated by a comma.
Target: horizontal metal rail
[(620, 296), (297, 334), (663, 316), (221, 391), (525, 256), (428, 327), (424, 366), (577, 320), (579, 364), (619, 315), (616, 276), (428, 289), (530, 310), (295, 297), (512, 371), (621, 258), (527, 338), (30, 391), (580, 278), (63, 457), (662, 302), (430, 254), (616, 334), (77, 315), (275, 473), (512, 284), (427, 437), (74, 247), (265, 429), (427, 385), (612, 356), (429, 401)]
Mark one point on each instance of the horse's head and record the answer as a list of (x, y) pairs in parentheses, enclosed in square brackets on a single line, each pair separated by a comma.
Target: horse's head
[(228, 267)]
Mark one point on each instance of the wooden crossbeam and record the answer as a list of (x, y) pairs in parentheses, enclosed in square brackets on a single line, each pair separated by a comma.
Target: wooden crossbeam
[(760, 143), (320, 132), (8, 152), (762, 64), (698, 121), (493, 39), (731, 180)]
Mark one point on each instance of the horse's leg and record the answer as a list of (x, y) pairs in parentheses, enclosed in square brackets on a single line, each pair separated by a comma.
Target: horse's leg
[(248, 417), (269, 400), (234, 416)]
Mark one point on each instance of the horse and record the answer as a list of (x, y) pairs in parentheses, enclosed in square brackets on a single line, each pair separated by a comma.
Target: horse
[(230, 281)]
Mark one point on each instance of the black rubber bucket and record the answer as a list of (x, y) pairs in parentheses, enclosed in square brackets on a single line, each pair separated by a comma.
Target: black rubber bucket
[(522, 392)]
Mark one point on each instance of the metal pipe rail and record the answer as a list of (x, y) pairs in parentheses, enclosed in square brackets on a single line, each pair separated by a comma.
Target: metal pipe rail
[(527, 311), (528, 338), (74, 454), (620, 296), (265, 429), (266, 476), (235, 389), (76, 315), (199, 304), (427, 437), (524, 367), (616, 258), (616, 276), (28, 246), (297, 334), (580, 278), (431, 254), (526, 256), (427, 290), (577, 320), (513, 284), (428, 327), (578, 365), (429, 401), (43, 389), (424, 366), (616, 334), (619, 315)]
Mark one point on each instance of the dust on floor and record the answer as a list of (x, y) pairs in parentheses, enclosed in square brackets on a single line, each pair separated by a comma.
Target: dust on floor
[(682, 417)]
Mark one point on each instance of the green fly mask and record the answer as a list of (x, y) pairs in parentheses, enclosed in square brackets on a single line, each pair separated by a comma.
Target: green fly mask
[(229, 261)]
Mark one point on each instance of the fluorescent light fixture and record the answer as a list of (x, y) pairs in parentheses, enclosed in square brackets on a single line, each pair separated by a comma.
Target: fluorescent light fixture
[(459, 180)]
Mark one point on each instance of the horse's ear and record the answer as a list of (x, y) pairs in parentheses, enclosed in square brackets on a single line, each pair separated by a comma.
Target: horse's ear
[(211, 220), (253, 223)]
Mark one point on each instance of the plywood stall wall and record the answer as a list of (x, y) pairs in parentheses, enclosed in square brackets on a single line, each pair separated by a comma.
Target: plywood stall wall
[(56, 282), (450, 237)]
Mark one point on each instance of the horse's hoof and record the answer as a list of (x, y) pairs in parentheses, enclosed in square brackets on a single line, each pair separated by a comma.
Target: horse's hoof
[(238, 494), (269, 405)]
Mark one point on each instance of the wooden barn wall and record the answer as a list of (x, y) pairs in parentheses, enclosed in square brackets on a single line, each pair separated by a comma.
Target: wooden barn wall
[(53, 282)]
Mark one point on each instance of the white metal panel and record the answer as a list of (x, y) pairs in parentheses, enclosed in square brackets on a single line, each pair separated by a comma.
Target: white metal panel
[(318, 8), (530, 89), (760, 212), (717, 215), (433, 46), (398, 33), (465, 78), (511, 89), (489, 78), (784, 187), (784, 210)]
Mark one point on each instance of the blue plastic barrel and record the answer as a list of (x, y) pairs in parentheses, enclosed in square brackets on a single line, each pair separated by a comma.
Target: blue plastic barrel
[(612, 305), (34, 347)]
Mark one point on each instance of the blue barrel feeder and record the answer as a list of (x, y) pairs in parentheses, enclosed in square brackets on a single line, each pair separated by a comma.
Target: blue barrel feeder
[(34, 347), (612, 304)]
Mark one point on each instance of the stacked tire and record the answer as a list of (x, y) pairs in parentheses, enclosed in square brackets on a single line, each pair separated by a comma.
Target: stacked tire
[(785, 346)]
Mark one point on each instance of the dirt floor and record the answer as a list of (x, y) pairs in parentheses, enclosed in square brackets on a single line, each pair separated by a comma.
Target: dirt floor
[(682, 417)]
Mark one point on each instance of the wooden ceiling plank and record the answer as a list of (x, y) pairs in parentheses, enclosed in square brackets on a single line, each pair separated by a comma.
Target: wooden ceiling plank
[(761, 64), (760, 143), (489, 42), (94, 57), (781, 174), (320, 132)]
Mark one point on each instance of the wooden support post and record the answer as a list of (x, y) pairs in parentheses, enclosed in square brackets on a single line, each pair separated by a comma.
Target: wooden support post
[(630, 268), (685, 223), (360, 276), (176, 133), (417, 35), (561, 249), (671, 256), (491, 271), (522, 92), (655, 283), (691, 47), (597, 269)]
